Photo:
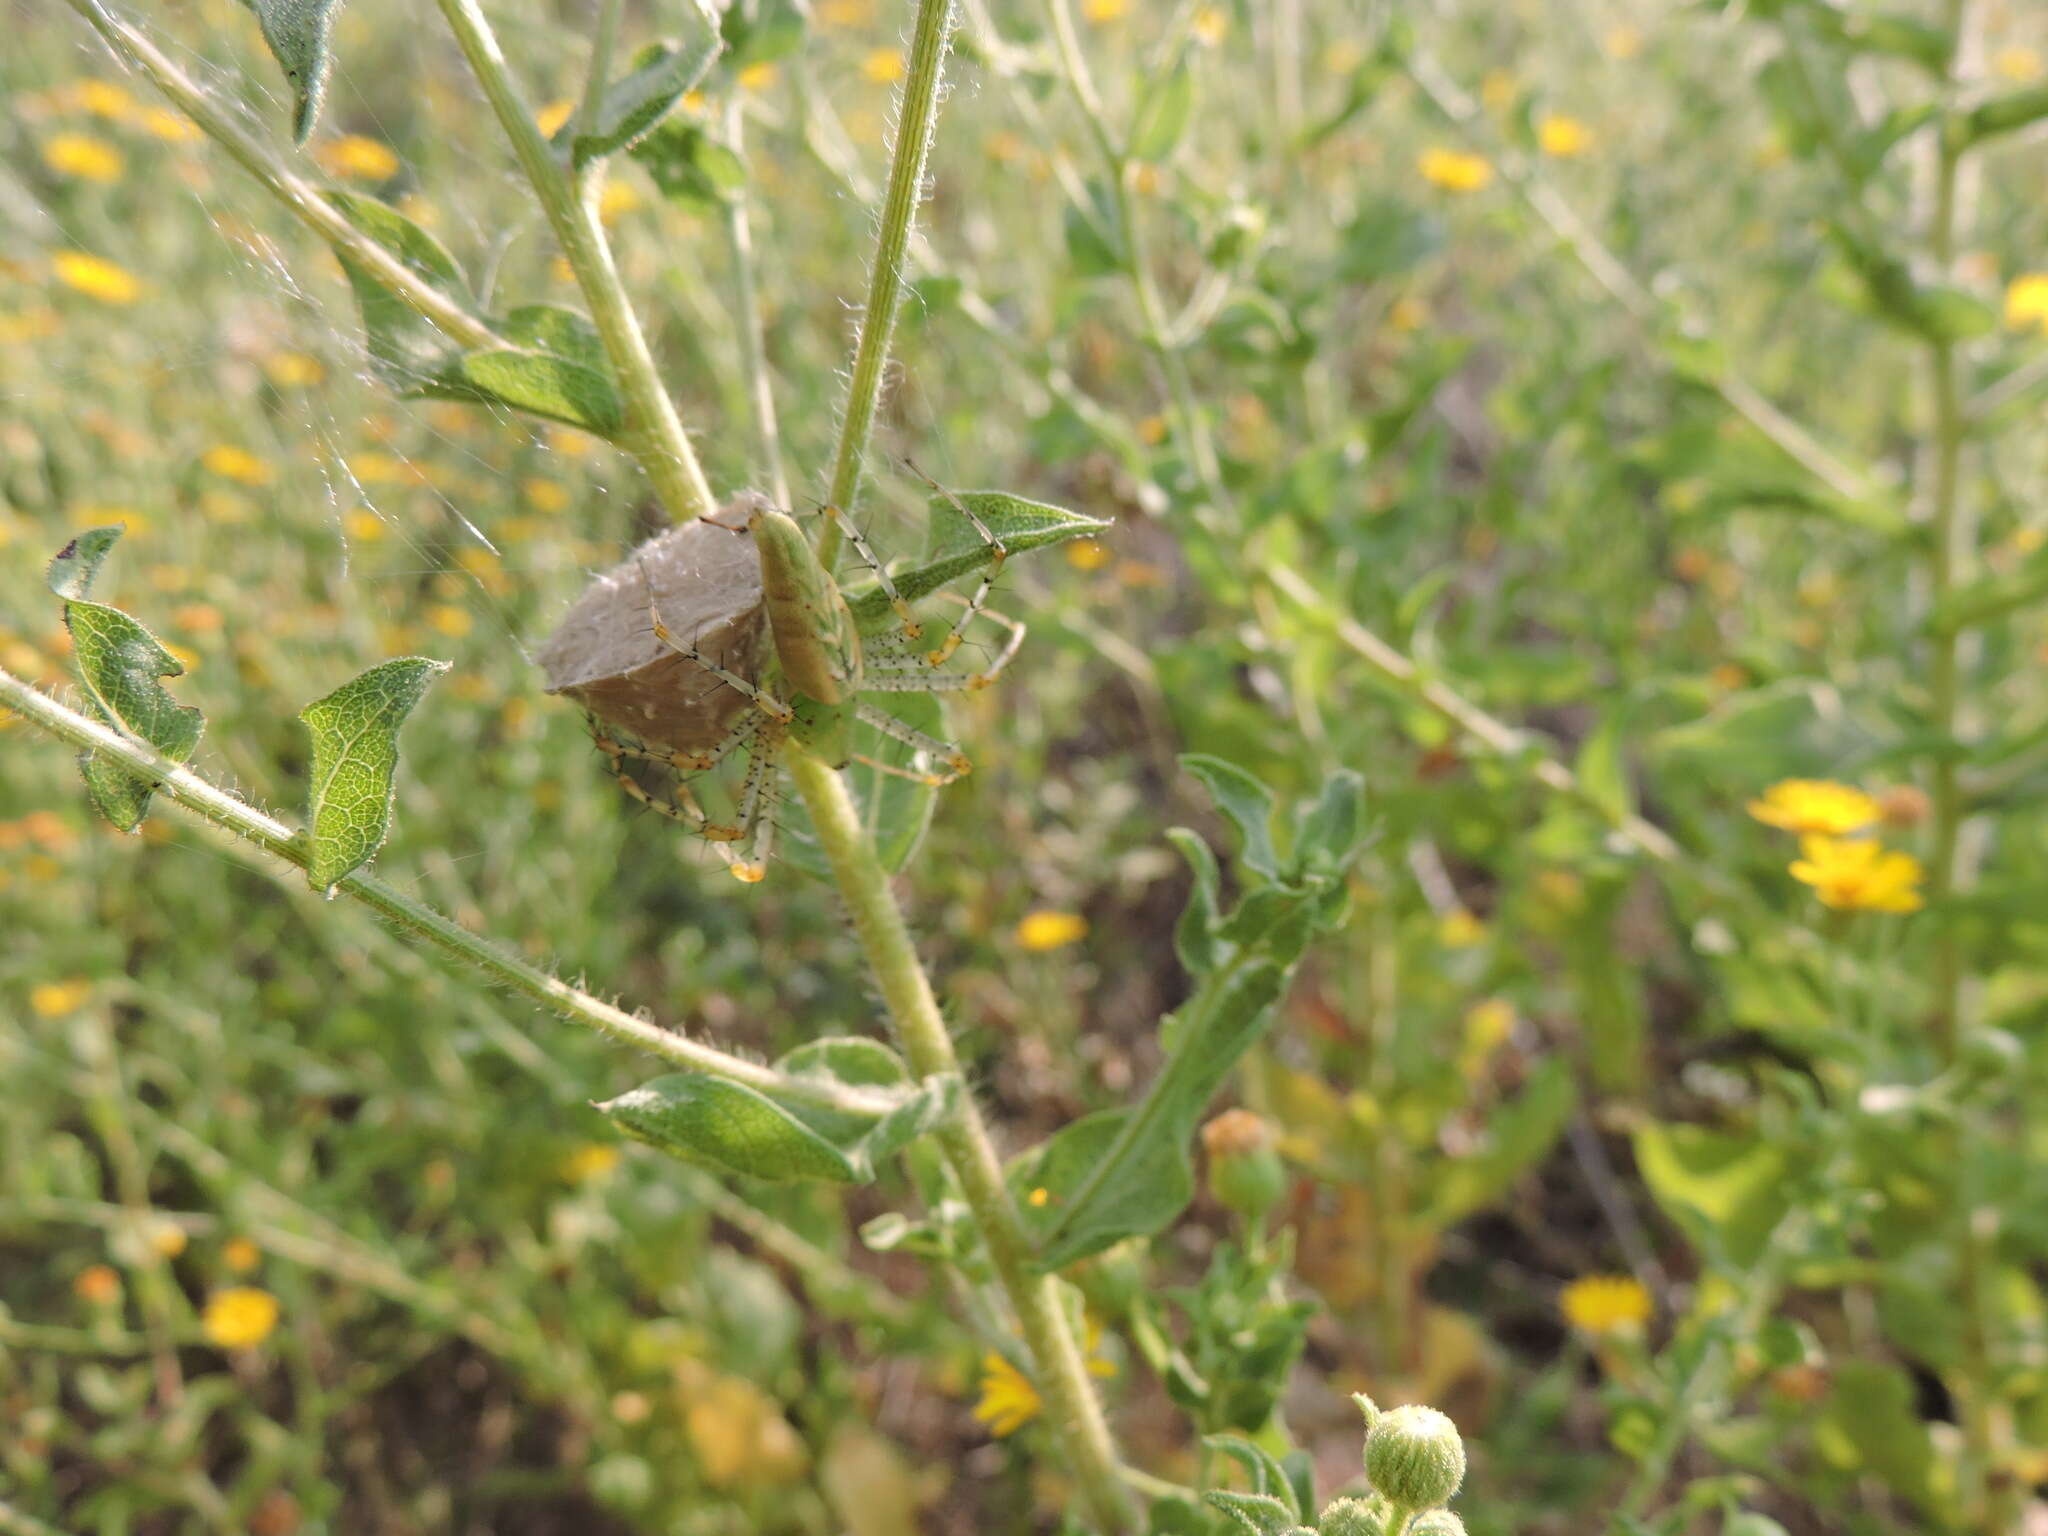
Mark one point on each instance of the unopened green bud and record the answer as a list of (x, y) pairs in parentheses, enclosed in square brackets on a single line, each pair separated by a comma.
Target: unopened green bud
[(1245, 1171), (1414, 1457), (1436, 1522), (1354, 1517)]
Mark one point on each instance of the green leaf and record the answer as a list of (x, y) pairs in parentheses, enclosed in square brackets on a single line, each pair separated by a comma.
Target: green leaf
[(1602, 772), (1726, 1191), (2006, 114), (1991, 597), (1870, 1426), (1128, 1173), (120, 661), (77, 564), (1267, 1476), (743, 1130), (1164, 116), (956, 548), (1389, 236), (1090, 243), (355, 755), (1329, 833), (1933, 311), (299, 33), (562, 374), (762, 31), (1259, 1513), (1248, 804), (662, 74), (407, 351), (689, 167), (1194, 935)]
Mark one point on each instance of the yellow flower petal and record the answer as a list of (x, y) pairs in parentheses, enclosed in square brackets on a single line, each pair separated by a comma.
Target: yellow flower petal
[(1815, 806), (239, 1317), (1044, 930)]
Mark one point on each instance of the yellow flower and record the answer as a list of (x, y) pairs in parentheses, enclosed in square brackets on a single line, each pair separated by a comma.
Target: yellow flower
[(1087, 554), (884, 66), (237, 464), (293, 370), (356, 158), (1454, 170), (96, 277), (1100, 11), (447, 619), (1043, 930), (1459, 929), (618, 199), (54, 999), (2026, 302), (549, 119), (2018, 65), (102, 98), (163, 123), (1815, 806), (1008, 1399), (846, 13), (757, 77), (1858, 876), (240, 1255), (83, 156), (167, 1239), (1623, 43), (592, 1160), (1605, 1305), (545, 495), (1563, 137), (98, 1284), (239, 1317), (1210, 25)]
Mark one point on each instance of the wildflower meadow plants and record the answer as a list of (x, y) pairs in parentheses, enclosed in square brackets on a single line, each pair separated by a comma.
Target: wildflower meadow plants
[(1508, 662)]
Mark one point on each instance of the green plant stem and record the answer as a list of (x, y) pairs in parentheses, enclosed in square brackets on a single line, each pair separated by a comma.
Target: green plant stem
[(916, 116), (602, 45), (655, 435), (1985, 1480), (1072, 1410), (746, 304), (299, 197), (419, 923)]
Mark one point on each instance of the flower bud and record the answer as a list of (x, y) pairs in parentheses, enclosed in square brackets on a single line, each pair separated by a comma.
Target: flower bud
[(1354, 1517), (1245, 1171), (1414, 1457), (1436, 1522)]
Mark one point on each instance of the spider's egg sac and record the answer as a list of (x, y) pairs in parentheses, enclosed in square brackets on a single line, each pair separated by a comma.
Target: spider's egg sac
[(705, 582)]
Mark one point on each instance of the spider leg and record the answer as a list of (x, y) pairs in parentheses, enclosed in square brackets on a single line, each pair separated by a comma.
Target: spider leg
[(940, 654), (757, 820), (769, 704), (944, 751), (920, 678), (682, 806), (912, 630)]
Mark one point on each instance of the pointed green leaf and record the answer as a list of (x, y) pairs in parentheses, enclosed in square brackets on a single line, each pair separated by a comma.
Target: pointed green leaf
[(407, 351), (120, 662), (1194, 936), (1164, 117), (896, 810), (1329, 832), (1248, 804), (957, 548), (299, 33), (76, 565), (709, 1119), (744, 1130), (634, 104), (355, 758), (2006, 114), (543, 385), (1128, 1173), (1727, 1191), (1267, 1476), (1259, 1513)]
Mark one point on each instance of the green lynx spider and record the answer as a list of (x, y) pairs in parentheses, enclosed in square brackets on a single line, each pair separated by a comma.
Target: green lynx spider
[(824, 652)]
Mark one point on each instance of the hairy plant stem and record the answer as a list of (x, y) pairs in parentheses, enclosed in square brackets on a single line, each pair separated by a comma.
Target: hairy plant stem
[(655, 435), (1986, 1481), (417, 922), (916, 116), (1072, 1409), (299, 197)]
